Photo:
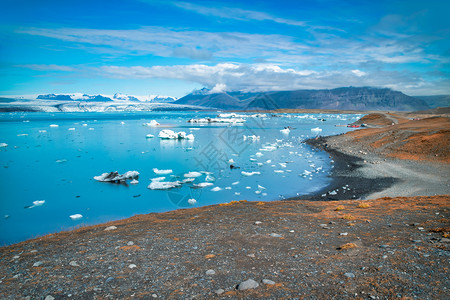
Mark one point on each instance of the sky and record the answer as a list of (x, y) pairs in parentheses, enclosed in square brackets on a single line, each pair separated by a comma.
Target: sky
[(145, 47)]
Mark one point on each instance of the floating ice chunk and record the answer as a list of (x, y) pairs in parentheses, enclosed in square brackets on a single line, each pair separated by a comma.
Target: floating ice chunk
[(217, 120), (283, 165), (231, 161), (203, 184), (152, 123), (192, 201), (264, 194), (285, 131), (149, 136), (251, 137), (163, 185), (236, 182), (252, 159), (259, 154), (261, 187), (316, 130), (42, 131), (60, 161), (332, 193), (248, 187), (2, 145), (216, 189), (91, 128), (210, 178), (22, 134), (134, 181), (193, 174), (250, 173), (268, 161), (187, 180), (260, 164), (162, 172), (268, 148), (122, 123), (71, 129), (115, 177), (54, 125), (171, 135), (228, 188), (76, 217), (38, 203), (278, 171), (258, 192), (157, 179)]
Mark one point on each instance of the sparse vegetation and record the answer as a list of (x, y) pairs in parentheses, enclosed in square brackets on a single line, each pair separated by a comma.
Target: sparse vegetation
[(347, 246), (348, 217), (363, 205), (339, 208)]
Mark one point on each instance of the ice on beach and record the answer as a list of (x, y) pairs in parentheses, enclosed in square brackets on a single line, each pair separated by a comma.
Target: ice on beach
[(116, 177), (71, 129), (54, 125), (192, 201), (203, 184), (250, 173), (163, 185), (171, 135), (162, 172), (316, 130), (2, 145), (193, 174), (149, 136), (216, 189), (332, 193), (152, 123), (76, 217)]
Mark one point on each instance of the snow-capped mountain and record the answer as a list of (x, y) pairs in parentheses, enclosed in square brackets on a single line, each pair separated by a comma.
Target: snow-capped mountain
[(102, 98)]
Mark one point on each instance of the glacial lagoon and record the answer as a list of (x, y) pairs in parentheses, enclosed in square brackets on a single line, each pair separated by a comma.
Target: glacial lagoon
[(48, 162)]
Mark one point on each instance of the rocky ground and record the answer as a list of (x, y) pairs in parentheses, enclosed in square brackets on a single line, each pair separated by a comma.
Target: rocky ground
[(366, 249)]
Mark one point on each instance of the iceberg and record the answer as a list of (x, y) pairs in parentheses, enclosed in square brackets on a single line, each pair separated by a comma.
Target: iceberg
[(192, 201), (217, 120), (171, 135), (203, 184), (236, 182), (134, 181), (152, 123), (158, 179), (115, 177), (163, 185), (54, 125), (2, 145), (216, 189), (162, 172), (71, 129), (193, 174), (76, 217), (285, 131), (251, 137), (316, 130), (259, 154), (250, 173), (149, 136)]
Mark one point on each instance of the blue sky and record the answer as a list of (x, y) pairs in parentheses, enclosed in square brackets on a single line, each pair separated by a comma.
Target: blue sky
[(147, 47)]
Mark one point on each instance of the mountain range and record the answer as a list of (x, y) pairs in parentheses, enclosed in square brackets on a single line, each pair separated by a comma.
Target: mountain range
[(345, 98)]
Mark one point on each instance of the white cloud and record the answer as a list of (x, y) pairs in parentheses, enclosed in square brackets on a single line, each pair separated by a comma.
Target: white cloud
[(218, 88), (37, 67), (235, 13), (358, 73)]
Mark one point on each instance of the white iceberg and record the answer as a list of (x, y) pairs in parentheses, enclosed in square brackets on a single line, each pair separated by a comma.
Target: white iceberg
[(236, 182), (76, 217), (278, 171), (250, 173), (260, 187), (149, 136), (216, 189), (259, 154), (168, 134), (54, 125), (187, 180), (316, 130), (203, 184), (115, 177), (231, 161), (38, 202), (192, 201), (217, 120), (162, 172), (163, 185), (134, 181), (152, 123), (71, 129), (193, 174), (157, 179), (3, 145), (251, 137), (285, 131)]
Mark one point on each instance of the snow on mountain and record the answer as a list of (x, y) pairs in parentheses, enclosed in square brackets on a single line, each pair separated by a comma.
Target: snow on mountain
[(97, 98)]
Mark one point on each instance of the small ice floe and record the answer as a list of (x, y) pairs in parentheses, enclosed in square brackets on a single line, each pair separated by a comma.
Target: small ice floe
[(259, 154), (42, 131), (251, 137), (162, 172), (192, 174), (228, 188), (278, 171), (333, 192), (217, 120), (163, 185), (157, 179), (258, 192), (235, 183), (2, 145), (268, 148), (283, 165), (134, 181), (260, 187), (122, 123), (264, 194), (152, 123), (192, 201), (248, 187), (71, 129), (54, 125), (210, 178), (237, 193), (285, 130), (60, 161), (188, 180), (91, 128), (316, 130), (216, 189), (203, 184), (76, 217), (149, 136), (115, 177), (231, 161), (250, 173), (84, 124), (168, 134), (36, 203), (269, 161), (260, 164), (253, 159), (22, 134)]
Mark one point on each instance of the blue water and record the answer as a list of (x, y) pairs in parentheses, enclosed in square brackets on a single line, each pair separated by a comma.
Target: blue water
[(58, 165)]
